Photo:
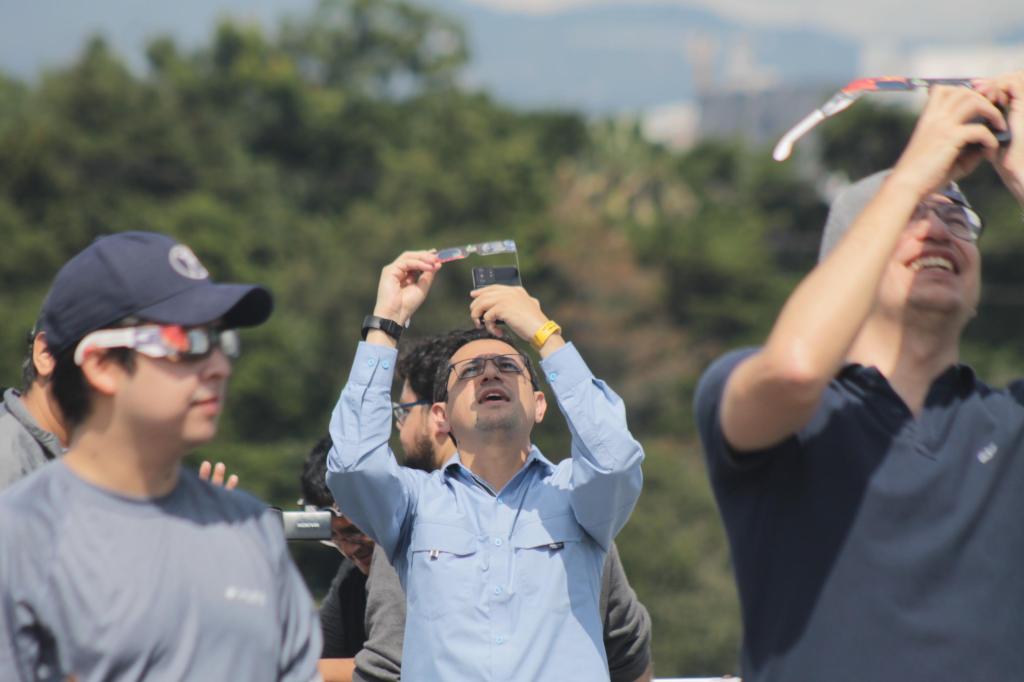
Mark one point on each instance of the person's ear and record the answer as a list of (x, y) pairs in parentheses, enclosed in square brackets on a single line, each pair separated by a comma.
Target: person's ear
[(540, 406), (42, 358), (102, 373), (439, 418)]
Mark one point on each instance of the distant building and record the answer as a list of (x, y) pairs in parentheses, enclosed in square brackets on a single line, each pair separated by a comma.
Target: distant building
[(758, 116)]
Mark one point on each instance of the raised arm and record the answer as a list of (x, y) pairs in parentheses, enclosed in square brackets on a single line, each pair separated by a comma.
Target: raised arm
[(362, 473), (606, 475), (774, 392), (1007, 92)]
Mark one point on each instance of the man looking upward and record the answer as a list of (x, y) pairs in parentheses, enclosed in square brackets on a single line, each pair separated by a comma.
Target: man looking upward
[(869, 482), (502, 545)]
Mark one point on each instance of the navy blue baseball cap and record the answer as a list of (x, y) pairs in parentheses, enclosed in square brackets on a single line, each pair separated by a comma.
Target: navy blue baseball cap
[(145, 275)]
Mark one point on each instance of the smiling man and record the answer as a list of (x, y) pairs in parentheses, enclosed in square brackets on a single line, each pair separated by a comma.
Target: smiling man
[(869, 482), (114, 562), (500, 551)]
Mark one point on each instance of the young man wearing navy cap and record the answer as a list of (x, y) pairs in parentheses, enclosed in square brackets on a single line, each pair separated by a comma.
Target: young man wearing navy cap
[(114, 562), (869, 483)]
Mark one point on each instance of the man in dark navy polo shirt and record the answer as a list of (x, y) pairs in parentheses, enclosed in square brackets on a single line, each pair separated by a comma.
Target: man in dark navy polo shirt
[(872, 488)]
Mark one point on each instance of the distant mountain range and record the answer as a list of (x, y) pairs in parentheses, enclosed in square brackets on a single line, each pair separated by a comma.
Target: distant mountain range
[(601, 59), (608, 59)]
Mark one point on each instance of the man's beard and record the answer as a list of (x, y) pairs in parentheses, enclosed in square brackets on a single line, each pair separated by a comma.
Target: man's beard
[(421, 456), (507, 421)]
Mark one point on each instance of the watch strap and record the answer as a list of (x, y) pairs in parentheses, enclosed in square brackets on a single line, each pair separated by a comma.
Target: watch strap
[(389, 327)]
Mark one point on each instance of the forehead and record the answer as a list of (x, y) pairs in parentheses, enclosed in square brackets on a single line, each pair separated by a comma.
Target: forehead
[(482, 347)]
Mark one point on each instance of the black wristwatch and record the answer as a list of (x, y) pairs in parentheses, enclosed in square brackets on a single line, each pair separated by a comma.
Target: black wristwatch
[(389, 327)]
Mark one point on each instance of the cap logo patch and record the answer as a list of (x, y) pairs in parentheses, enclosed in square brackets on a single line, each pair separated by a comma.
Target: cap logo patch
[(185, 263)]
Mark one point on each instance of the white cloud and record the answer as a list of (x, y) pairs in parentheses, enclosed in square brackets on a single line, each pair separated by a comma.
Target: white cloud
[(863, 19)]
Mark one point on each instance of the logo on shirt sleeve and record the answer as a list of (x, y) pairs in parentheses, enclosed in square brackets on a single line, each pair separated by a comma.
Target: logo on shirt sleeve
[(245, 595), (986, 454)]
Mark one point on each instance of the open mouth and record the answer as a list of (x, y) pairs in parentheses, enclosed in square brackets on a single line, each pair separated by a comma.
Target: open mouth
[(493, 394), (934, 262)]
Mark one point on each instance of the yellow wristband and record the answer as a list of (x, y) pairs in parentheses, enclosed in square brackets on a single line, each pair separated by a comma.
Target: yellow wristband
[(546, 330)]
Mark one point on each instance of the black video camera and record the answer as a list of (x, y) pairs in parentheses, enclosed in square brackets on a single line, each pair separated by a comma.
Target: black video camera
[(305, 525)]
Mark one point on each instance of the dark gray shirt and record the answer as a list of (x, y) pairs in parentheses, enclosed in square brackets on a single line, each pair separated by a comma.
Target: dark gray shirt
[(24, 445), (627, 625), (874, 544), (195, 585)]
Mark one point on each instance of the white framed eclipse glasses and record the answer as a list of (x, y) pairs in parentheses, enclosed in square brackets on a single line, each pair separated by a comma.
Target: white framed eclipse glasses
[(162, 341)]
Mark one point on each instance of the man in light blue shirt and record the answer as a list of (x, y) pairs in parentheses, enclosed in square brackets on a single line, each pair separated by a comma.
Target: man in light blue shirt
[(501, 551)]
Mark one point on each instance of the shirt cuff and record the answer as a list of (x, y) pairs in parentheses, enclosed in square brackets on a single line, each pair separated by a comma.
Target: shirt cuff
[(565, 368), (374, 365)]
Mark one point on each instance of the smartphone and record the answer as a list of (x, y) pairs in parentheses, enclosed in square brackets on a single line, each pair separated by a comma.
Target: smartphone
[(1003, 137), (506, 274)]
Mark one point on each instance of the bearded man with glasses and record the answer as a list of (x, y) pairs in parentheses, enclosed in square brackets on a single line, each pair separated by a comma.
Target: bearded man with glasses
[(870, 484), (115, 563), (500, 551)]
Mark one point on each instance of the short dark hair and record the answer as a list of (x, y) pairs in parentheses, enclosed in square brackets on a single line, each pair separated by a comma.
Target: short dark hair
[(29, 373), (314, 475), (420, 364), (448, 344), (70, 389)]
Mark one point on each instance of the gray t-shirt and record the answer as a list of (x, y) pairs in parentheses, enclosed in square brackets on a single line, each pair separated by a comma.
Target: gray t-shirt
[(195, 585), (627, 625), (24, 445)]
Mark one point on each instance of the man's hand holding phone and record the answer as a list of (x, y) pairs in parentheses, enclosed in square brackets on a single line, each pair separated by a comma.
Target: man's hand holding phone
[(517, 309)]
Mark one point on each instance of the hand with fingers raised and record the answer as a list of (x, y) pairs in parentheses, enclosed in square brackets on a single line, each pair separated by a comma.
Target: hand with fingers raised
[(402, 289), (953, 134), (1007, 92), (215, 475)]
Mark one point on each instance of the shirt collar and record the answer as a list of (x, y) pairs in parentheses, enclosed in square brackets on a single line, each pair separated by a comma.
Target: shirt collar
[(48, 441), (454, 463), (958, 376)]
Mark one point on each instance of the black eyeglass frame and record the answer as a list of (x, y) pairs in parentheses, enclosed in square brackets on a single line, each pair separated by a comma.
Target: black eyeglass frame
[(519, 368), (400, 411), (973, 225)]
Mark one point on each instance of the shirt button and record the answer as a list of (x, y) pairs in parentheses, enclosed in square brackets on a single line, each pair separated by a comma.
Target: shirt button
[(500, 639), (497, 542), (371, 362), (484, 567), (552, 376), (385, 364), (497, 590)]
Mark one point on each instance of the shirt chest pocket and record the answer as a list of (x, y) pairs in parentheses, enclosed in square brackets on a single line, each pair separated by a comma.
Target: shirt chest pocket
[(547, 552), (442, 569)]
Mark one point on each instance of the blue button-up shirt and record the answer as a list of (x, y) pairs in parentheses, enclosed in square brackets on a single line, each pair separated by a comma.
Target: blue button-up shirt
[(501, 585)]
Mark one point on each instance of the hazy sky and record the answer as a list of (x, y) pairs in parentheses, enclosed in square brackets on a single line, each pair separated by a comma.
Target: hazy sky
[(39, 33), (863, 19)]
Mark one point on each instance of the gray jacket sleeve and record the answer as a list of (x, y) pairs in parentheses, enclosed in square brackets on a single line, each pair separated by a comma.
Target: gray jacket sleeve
[(627, 625), (380, 659)]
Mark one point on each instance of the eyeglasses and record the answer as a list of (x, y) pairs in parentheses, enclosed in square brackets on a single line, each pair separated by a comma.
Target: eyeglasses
[(162, 341), (402, 410), (508, 363), (961, 221)]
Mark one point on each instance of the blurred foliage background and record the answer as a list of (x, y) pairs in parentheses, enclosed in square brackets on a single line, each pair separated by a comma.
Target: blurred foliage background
[(307, 157)]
